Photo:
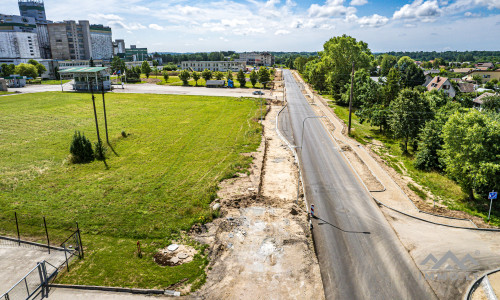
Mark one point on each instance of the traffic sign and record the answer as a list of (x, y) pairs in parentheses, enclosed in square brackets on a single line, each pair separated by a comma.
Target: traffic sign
[(493, 195)]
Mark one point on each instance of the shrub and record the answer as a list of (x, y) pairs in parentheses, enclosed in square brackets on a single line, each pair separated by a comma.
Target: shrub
[(81, 149), (100, 151)]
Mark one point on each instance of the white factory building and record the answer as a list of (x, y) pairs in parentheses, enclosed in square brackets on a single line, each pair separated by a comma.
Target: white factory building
[(18, 39), (222, 66)]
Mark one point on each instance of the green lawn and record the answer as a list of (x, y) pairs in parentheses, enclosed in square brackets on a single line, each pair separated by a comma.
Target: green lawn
[(54, 81), (161, 179), (6, 93), (440, 185)]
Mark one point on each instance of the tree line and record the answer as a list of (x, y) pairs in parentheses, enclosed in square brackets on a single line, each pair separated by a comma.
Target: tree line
[(443, 134), (453, 56)]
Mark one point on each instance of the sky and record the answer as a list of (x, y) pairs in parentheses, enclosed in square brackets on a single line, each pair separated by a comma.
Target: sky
[(287, 25)]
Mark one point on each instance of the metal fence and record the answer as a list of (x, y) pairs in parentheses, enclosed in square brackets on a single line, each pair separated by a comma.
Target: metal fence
[(33, 284)]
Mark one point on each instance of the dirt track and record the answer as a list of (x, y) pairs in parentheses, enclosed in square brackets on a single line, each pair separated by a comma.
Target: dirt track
[(262, 246)]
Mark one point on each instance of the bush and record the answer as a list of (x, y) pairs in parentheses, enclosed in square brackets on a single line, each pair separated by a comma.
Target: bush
[(81, 149), (100, 151)]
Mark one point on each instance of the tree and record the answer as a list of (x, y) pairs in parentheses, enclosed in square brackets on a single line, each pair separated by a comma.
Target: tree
[(219, 75), (409, 112), (155, 63), (299, 64), (39, 67), (264, 76), (165, 76), (184, 76), (478, 79), (388, 62), (412, 76), (229, 75), (338, 55), (91, 62), (117, 65), (145, 68), (206, 74), (316, 74), (196, 76), (27, 70), (241, 78), (392, 86), (470, 151), (254, 77), (491, 103)]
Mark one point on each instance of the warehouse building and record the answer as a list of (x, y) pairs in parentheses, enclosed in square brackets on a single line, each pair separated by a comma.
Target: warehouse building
[(222, 66), (18, 39)]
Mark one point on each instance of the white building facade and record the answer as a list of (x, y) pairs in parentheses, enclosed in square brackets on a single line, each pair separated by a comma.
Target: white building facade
[(222, 66), (18, 39)]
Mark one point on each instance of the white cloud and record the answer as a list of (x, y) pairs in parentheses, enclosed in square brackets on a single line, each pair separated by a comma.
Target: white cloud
[(472, 15), (332, 8), (122, 25), (373, 21), (107, 17), (426, 11), (281, 32), (156, 27), (358, 2)]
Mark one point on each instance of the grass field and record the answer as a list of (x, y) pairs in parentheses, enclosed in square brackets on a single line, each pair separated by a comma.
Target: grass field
[(54, 81), (6, 93), (437, 183), (161, 179)]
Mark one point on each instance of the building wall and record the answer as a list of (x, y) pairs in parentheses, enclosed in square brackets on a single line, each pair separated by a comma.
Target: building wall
[(102, 44), (18, 47), (70, 40), (58, 37), (222, 66), (485, 75), (36, 9), (257, 58)]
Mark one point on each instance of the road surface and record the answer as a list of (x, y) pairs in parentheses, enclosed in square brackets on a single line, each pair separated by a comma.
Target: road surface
[(360, 256)]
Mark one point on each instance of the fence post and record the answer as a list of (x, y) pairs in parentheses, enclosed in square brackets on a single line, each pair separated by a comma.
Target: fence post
[(79, 240), (66, 257), (17, 227), (46, 233), (42, 280)]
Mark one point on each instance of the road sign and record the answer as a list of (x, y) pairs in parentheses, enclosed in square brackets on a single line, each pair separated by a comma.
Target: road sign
[(493, 195)]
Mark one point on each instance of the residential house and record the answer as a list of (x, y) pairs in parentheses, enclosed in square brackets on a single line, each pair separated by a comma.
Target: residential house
[(442, 84), (466, 87), (485, 75), (485, 66), (462, 70), (478, 102)]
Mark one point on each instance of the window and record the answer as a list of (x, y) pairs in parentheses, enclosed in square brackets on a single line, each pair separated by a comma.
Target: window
[(70, 40), (58, 41), (70, 34)]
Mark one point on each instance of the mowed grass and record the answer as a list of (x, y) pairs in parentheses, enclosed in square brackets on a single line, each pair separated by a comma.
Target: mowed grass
[(439, 184), (161, 179)]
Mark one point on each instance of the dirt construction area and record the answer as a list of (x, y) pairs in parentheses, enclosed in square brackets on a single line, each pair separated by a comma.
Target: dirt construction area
[(261, 247)]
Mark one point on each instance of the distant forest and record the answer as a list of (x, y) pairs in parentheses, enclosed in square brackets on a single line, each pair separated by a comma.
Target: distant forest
[(450, 56)]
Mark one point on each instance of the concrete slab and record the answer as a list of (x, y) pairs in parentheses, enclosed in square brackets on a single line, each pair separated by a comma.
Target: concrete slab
[(16, 261)]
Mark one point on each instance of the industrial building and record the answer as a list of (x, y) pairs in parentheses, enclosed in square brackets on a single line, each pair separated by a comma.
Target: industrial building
[(222, 66), (136, 54), (119, 48), (257, 58), (18, 39), (102, 42), (36, 9), (70, 40)]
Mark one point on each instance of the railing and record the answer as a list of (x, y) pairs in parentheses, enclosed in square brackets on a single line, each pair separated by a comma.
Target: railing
[(32, 284)]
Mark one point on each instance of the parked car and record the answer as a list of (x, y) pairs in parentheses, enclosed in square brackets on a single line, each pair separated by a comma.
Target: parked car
[(258, 93)]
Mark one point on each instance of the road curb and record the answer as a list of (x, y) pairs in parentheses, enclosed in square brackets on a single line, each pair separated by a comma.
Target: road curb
[(116, 289), (473, 286)]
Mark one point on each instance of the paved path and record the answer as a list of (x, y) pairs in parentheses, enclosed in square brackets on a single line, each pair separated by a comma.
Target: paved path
[(360, 255), (147, 88)]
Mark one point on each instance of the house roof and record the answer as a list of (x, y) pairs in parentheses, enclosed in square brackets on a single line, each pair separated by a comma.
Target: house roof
[(462, 70), (466, 87), (488, 65), (436, 83), (479, 100), (84, 70)]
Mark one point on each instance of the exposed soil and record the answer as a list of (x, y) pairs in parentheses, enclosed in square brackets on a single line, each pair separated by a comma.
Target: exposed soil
[(181, 255), (261, 247)]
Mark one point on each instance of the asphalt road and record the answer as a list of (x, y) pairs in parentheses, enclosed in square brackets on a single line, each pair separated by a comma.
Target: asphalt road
[(360, 256)]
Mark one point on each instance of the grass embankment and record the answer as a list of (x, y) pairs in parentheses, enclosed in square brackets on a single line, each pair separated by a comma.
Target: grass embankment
[(6, 93), (437, 183), (161, 179)]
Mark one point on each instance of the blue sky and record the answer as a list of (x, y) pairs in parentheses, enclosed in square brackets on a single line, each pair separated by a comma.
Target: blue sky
[(288, 25)]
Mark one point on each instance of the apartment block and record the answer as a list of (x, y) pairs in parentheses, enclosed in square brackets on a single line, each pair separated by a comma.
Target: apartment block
[(70, 40), (119, 48), (18, 39), (102, 42)]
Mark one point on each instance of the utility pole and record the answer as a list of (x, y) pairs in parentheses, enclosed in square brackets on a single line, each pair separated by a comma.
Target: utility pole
[(105, 118), (95, 112), (350, 100)]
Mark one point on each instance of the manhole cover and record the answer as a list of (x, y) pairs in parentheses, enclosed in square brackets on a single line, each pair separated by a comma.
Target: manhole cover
[(182, 255)]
